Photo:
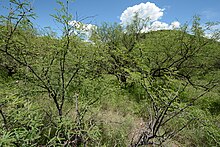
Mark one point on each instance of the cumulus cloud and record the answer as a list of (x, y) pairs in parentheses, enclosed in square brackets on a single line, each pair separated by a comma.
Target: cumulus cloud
[(157, 25), (149, 12), (144, 10), (82, 30), (175, 24)]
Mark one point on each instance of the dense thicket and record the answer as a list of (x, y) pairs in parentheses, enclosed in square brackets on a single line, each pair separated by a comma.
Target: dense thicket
[(122, 88)]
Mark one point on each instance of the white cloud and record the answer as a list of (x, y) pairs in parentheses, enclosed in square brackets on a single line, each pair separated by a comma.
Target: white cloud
[(82, 26), (82, 30), (149, 12), (157, 25), (144, 10), (175, 24)]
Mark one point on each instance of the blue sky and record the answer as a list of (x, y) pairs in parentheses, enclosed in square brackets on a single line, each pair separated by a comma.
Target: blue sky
[(111, 10)]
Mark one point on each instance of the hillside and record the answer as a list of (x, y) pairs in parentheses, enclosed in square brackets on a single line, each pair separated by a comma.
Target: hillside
[(122, 88)]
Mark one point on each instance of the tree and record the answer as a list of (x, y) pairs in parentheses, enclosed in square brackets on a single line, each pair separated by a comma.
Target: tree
[(172, 65), (52, 65), (165, 64)]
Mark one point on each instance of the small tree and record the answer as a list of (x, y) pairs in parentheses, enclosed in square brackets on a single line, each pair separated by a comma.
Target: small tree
[(165, 64), (164, 105), (167, 69), (53, 65)]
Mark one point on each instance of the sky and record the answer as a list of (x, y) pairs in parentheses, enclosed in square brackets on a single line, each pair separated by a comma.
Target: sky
[(164, 13)]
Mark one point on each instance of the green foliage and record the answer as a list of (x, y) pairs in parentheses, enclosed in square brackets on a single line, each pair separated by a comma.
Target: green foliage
[(21, 119), (121, 87), (204, 128)]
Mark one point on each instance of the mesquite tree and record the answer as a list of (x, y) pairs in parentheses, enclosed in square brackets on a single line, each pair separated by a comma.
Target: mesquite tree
[(164, 64), (52, 65)]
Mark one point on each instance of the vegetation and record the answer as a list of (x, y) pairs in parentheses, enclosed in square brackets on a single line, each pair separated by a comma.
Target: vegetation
[(123, 88)]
